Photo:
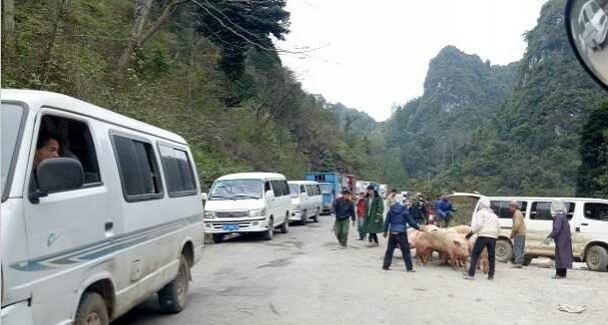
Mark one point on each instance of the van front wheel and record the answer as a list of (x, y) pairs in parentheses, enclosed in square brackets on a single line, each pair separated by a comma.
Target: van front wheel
[(316, 217), (597, 258), (285, 225), (504, 250), (268, 234), (92, 310), (174, 296)]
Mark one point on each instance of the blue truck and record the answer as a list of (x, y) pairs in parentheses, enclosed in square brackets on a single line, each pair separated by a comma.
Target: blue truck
[(331, 184)]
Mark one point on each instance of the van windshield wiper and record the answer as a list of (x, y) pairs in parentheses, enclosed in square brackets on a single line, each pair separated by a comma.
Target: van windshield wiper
[(219, 197), (245, 196)]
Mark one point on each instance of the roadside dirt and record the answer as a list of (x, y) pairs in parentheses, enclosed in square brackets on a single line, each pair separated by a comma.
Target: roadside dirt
[(304, 278)]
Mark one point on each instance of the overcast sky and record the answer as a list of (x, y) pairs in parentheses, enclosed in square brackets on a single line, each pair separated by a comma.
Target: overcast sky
[(376, 53)]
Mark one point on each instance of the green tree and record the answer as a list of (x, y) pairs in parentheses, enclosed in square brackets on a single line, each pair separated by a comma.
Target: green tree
[(592, 178)]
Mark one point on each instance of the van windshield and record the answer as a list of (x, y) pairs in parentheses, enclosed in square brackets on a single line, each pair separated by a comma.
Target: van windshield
[(11, 118), (326, 188), (294, 189), (237, 189)]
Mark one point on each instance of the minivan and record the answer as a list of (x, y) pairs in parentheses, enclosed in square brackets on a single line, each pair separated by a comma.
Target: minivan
[(248, 203), (306, 201), (594, 25), (99, 212), (588, 222)]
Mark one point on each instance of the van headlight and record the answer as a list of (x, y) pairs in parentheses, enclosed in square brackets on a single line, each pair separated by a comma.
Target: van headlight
[(257, 212), (209, 214)]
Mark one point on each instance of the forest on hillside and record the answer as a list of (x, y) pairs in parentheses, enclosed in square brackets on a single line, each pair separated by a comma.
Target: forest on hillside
[(207, 70), (211, 72)]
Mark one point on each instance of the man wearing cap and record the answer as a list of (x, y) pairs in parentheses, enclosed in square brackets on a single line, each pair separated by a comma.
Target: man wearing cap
[(343, 208), (518, 234)]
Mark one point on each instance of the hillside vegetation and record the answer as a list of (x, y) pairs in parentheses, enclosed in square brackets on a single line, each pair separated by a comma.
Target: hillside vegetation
[(206, 70)]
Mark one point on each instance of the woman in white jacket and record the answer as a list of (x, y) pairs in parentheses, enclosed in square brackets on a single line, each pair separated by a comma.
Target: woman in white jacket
[(485, 225)]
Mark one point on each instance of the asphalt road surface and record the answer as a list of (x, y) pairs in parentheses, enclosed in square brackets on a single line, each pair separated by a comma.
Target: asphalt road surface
[(304, 278)]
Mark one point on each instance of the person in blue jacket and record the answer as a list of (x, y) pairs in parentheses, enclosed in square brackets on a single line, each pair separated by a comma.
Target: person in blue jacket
[(445, 210), (395, 228)]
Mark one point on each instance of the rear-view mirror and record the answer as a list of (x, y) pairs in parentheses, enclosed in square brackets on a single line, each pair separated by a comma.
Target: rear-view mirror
[(587, 28)]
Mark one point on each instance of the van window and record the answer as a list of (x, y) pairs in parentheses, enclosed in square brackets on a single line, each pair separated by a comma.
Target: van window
[(12, 118), (138, 170), (75, 141), (542, 211), (303, 189), (236, 189), (276, 188), (318, 188), (293, 189), (596, 211), (178, 171), (501, 208), (286, 187)]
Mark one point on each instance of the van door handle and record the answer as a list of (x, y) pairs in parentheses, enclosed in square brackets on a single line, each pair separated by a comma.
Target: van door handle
[(108, 226), (584, 224)]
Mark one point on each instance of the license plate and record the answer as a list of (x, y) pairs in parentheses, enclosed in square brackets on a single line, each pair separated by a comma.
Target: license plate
[(231, 227)]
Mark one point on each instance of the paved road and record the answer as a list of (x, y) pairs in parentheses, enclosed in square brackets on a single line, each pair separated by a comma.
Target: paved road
[(303, 278)]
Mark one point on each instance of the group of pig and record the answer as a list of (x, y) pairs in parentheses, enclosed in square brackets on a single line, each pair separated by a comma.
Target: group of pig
[(450, 243)]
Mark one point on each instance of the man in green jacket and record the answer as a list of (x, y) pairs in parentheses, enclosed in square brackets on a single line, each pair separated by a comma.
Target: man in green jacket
[(373, 219), (343, 208)]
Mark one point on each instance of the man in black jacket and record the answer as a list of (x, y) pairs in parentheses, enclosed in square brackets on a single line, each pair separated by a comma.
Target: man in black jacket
[(344, 209)]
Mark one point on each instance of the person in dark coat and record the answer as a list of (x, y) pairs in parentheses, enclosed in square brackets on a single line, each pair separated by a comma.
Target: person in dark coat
[(395, 227), (372, 220), (418, 209), (562, 236)]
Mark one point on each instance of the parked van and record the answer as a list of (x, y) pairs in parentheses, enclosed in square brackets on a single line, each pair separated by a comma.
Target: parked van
[(593, 25), (306, 201), (99, 212), (248, 202), (588, 222)]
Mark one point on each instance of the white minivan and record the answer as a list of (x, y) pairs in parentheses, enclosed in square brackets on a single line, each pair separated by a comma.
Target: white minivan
[(246, 203), (588, 223), (99, 212), (306, 201)]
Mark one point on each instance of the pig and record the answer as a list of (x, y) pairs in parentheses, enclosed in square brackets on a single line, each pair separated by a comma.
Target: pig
[(462, 229), (452, 246)]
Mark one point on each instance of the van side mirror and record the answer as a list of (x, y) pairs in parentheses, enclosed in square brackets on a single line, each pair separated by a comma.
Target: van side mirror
[(204, 198), (587, 29), (56, 175)]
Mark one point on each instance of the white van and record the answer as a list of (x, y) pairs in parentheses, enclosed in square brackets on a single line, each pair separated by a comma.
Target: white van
[(248, 202), (594, 25), (306, 201), (90, 235), (588, 222)]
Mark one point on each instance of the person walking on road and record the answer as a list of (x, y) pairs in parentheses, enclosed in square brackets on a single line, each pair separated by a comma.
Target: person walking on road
[(518, 234), (485, 225), (344, 209), (563, 239), (372, 220), (360, 214), (395, 227)]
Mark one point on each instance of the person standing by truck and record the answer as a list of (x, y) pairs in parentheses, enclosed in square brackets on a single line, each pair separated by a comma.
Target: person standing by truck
[(562, 236), (344, 209), (485, 225), (518, 234), (372, 221)]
